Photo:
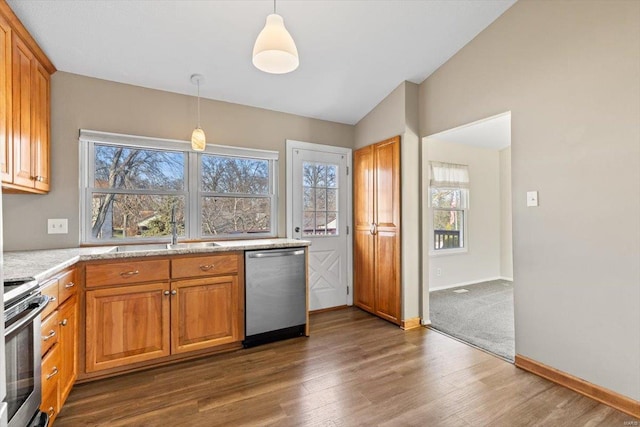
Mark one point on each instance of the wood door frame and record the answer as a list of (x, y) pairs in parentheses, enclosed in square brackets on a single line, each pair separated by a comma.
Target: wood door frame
[(292, 145)]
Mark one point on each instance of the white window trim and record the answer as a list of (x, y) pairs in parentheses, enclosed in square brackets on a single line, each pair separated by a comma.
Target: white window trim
[(193, 202)]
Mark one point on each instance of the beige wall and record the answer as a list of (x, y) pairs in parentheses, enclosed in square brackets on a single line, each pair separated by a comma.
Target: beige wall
[(88, 103), (506, 236), (397, 114), (481, 261), (386, 120), (568, 72)]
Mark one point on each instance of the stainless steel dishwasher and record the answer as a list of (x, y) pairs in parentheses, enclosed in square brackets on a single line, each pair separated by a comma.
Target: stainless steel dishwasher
[(275, 294)]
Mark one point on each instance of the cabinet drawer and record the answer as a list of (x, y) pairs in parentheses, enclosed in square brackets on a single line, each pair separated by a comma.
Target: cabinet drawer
[(50, 332), (121, 273), (67, 285), (51, 371), (50, 289), (204, 265), (50, 404)]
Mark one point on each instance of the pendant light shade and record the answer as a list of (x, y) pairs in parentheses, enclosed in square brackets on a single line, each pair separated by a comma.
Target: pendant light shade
[(198, 139), (275, 51)]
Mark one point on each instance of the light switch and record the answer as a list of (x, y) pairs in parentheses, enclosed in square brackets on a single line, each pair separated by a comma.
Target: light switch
[(58, 226), (532, 198)]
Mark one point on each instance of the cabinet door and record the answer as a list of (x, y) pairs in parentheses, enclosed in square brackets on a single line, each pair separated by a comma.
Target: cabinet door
[(126, 324), (22, 81), (6, 171), (363, 266), (40, 132), (387, 234), (68, 341), (205, 313)]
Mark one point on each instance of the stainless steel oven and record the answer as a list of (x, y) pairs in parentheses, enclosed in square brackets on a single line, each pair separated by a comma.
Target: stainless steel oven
[(23, 304)]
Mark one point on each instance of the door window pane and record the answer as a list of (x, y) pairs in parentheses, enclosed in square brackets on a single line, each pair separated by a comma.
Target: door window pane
[(320, 199)]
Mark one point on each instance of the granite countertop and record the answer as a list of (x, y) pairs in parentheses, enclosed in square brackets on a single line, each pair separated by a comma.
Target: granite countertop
[(42, 264)]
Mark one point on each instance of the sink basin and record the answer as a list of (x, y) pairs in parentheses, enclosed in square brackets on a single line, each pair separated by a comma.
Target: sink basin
[(194, 245), (164, 246), (142, 248)]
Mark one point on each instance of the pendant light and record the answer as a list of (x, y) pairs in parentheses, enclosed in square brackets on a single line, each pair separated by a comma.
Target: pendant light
[(198, 139), (275, 51)]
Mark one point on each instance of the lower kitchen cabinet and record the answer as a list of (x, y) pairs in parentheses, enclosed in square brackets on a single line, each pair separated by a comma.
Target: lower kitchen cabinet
[(199, 306), (204, 313), (68, 327), (59, 345), (126, 324)]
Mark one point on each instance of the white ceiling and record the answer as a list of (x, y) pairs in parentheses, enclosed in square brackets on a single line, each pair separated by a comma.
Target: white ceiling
[(352, 53), (493, 133)]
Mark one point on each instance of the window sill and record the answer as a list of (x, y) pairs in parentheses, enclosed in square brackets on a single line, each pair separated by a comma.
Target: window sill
[(445, 252)]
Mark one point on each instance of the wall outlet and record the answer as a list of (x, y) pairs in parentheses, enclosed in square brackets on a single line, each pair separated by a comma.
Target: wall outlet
[(58, 226), (439, 272)]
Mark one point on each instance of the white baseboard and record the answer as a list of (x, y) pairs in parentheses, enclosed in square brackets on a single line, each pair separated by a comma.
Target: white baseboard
[(470, 282)]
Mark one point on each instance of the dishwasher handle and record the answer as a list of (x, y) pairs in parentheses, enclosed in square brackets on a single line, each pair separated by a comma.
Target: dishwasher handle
[(274, 254)]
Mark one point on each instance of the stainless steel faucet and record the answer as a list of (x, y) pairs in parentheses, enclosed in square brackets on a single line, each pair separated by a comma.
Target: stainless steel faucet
[(174, 226)]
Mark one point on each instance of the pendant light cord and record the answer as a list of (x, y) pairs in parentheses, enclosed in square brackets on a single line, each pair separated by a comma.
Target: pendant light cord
[(274, 7), (198, 102)]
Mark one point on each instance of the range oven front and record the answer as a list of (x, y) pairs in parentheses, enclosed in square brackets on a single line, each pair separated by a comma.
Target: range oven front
[(22, 354)]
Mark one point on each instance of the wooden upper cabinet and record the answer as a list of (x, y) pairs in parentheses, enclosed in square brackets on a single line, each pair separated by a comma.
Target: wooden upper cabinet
[(6, 171), (25, 116), (23, 97), (41, 140)]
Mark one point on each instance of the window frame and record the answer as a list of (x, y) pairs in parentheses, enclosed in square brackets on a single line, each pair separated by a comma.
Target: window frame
[(447, 185), (192, 184)]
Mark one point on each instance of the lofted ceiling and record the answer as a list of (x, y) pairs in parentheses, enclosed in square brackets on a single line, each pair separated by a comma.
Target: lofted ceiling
[(353, 53)]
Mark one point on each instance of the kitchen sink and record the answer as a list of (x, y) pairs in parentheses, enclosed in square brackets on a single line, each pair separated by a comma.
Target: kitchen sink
[(194, 245), (164, 246)]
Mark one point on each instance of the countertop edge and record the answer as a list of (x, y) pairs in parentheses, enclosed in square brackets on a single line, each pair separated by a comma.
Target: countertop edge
[(45, 263)]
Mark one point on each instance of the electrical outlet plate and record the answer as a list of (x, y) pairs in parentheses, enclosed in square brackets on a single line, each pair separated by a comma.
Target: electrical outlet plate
[(532, 198), (58, 226)]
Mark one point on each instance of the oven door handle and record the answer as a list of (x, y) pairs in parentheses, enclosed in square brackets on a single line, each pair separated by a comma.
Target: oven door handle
[(34, 311)]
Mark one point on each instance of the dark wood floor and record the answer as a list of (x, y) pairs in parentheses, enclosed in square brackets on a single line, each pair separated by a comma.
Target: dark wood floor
[(355, 369)]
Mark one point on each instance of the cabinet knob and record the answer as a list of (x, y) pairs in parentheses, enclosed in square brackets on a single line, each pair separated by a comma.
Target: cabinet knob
[(166, 293), (64, 322), (297, 229), (174, 292)]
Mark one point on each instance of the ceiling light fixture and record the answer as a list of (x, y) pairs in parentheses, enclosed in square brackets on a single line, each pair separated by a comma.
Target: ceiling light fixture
[(198, 139), (275, 51)]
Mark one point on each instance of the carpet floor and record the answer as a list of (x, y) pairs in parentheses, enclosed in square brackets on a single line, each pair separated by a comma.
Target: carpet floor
[(482, 316)]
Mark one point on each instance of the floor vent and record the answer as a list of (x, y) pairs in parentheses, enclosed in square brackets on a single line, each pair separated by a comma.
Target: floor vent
[(461, 291)]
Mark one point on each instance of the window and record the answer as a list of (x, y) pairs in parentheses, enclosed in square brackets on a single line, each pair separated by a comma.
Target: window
[(132, 185), (449, 201), (320, 199)]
